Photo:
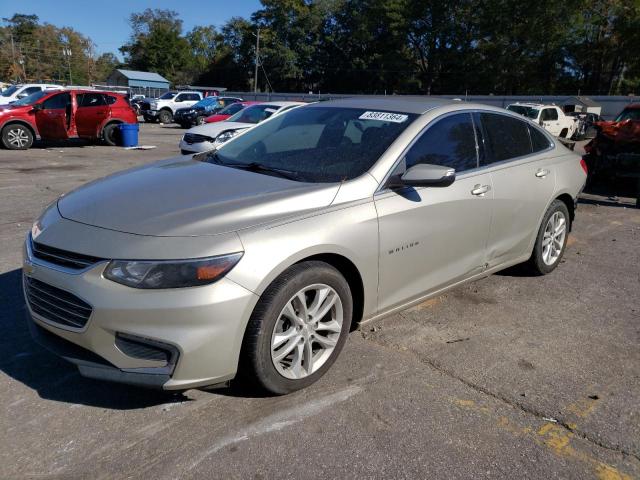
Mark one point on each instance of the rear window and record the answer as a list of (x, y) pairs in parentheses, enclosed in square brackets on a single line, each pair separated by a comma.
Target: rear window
[(254, 114), (539, 140), (507, 137)]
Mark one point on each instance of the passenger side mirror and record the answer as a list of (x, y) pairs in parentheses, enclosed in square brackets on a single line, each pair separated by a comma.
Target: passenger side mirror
[(178, 100), (425, 175), (37, 106)]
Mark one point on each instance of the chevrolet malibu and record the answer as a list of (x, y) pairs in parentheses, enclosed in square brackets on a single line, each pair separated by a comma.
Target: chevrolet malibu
[(257, 258)]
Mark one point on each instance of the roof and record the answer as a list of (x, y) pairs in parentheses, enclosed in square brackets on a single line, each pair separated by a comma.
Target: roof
[(281, 104), (146, 76), (394, 103), (586, 101)]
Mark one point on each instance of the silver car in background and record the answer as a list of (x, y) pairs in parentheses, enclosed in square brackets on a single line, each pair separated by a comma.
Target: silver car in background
[(261, 255)]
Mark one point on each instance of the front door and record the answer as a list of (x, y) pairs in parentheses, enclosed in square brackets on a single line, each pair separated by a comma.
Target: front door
[(91, 113), (54, 118), (431, 237)]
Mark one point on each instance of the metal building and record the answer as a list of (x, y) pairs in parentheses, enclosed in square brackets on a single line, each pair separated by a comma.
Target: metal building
[(149, 84)]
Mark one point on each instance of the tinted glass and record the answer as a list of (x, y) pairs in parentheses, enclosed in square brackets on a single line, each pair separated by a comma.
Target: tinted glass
[(549, 114), (60, 100), (30, 90), (524, 110), (506, 137), (168, 95), (254, 114), (538, 139), (90, 100), (449, 142), (9, 91), (317, 144), (109, 100), (34, 97), (232, 109)]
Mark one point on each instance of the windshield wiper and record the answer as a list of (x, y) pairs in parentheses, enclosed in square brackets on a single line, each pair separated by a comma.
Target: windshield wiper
[(213, 157), (259, 167)]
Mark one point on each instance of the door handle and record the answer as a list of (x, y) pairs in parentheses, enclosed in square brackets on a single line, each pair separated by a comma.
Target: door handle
[(542, 172), (480, 190)]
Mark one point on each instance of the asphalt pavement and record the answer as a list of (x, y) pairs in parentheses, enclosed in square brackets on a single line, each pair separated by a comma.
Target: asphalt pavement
[(512, 376)]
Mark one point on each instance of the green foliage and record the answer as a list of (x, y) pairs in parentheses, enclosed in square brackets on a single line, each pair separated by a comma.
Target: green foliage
[(365, 46)]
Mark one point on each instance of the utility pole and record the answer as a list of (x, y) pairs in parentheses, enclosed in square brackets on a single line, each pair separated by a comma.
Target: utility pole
[(67, 53), (255, 78)]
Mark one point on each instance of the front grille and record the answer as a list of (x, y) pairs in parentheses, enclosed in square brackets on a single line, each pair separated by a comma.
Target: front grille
[(145, 106), (195, 138), (75, 261), (56, 305)]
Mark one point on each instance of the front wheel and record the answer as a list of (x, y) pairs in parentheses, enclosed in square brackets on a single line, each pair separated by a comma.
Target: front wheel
[(17, 137), (298, 328), (165, 116), (551, 240), (200, 120)]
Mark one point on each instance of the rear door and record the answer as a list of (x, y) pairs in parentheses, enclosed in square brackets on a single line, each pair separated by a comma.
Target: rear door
[(91, 113), (517, 154), (431, 237), (54, 119)]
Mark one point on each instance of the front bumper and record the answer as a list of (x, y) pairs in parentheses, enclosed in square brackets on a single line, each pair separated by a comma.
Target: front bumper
[(198, 147), (201, 328)]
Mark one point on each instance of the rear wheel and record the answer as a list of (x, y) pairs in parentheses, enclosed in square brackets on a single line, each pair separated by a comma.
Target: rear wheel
[(17, 137), (165, 116), (298, 328), (551, 240), (111, 134)]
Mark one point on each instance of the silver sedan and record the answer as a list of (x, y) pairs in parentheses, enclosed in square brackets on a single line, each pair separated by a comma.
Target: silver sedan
[(260, 256)]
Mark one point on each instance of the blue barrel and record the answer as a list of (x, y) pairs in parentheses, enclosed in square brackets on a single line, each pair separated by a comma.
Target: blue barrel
[(129, 134)]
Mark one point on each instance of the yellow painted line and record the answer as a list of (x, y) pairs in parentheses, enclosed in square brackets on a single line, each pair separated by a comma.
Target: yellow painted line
[(554, 437)]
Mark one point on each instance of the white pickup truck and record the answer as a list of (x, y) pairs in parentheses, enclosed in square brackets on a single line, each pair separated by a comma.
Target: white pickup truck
[(549, 117), (163, 108)]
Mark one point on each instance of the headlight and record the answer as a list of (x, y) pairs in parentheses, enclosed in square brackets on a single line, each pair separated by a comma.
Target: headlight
[(153, 105), (225, 136), (170, 273)]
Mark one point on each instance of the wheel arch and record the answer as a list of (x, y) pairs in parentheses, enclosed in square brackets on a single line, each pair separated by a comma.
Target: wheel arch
[(24, 123), (351, 274)]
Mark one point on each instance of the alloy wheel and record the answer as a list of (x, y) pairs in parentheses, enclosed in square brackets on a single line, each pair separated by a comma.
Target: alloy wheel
[(306, 331), (553, 238), (18, 137)]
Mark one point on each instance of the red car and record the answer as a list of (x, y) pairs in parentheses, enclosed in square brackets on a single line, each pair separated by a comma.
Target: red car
[(228, 111), (63, 114)]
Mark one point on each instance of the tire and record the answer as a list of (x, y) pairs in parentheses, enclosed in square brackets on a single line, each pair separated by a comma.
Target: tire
[(17, 137), (111, 135), (259, 364), (542, 259), (165, 116)]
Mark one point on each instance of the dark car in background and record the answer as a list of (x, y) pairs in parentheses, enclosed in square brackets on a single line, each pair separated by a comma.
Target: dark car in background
[(64, 114), (586, 125), (196, 114)]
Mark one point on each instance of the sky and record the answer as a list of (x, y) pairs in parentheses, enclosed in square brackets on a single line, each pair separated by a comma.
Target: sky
[(106, 23)]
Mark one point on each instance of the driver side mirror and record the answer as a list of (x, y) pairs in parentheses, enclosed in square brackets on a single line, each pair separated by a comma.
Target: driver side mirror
[(38, 106), (424, 175)]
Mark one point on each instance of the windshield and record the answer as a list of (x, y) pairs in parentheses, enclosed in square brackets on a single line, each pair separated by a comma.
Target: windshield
[(317, 144), (529, 112), (629, 114), (231, 109), (10, 91), (254, 114), (30, 99), (168, 96)]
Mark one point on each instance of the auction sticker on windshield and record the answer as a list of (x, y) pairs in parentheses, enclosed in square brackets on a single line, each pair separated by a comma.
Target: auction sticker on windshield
[(384, 117)]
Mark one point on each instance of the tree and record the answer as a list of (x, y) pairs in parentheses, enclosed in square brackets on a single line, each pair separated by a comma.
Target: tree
[(157, 44), (104, 65)]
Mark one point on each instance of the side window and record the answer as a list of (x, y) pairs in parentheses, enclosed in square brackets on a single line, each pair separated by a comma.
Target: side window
[(549, 114), (539, 141), (60, 100), (185, 97), (109, 100), (506, 137), (90, 100), (235, 109), (449, 142), (30, 90)]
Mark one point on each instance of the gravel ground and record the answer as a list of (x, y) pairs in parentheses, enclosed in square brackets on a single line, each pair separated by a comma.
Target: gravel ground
[(509, 377)]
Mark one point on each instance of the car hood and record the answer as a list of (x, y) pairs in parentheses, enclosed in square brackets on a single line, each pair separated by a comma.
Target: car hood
[(188, 197), (14, 108), (215, 129)]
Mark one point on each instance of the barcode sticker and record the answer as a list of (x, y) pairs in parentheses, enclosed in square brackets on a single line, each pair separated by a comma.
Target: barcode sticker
[(384, 117)]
